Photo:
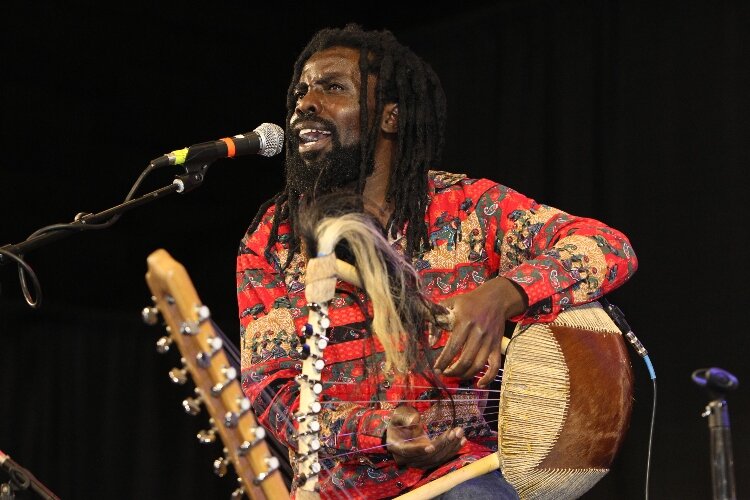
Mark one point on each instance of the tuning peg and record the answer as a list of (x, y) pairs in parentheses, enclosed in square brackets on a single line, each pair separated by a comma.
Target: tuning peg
[(238, 493), (220, 466), (260, 434), (315, 467), (162, 345), (203, 313), (192, 406), (273, 464), (150, 315), (207, 437), (178, 375), (231, 374), (231, 419)]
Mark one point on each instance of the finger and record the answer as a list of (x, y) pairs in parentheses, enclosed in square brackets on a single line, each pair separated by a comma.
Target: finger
[(441, 447), (495, 360), (449, 438), (406, 449), (452, 347), (434, 334), (443, 315), (455, 340), (449, 445), (471, 349), (479, 362)]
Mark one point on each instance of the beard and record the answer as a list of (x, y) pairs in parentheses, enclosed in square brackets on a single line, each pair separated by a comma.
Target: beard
[(317, 173)]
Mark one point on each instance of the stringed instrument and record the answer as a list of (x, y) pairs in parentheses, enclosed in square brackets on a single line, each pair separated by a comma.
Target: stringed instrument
[(189, 328), (565, 400), (566, 393)]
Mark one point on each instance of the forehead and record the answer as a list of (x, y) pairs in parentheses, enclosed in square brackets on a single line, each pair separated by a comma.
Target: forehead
[(342, 61)]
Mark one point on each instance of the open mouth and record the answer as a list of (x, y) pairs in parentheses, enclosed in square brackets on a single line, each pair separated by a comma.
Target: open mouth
[(311, 138)]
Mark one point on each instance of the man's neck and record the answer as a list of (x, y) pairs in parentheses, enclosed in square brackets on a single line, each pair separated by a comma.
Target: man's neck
[(376, 186), (374, 195)]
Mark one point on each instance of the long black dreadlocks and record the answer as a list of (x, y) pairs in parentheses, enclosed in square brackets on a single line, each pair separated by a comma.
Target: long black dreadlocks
[(403, 78)]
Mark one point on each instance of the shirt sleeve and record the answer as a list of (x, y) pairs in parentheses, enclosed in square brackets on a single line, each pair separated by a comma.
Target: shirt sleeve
[(270, 346), (559, 260)]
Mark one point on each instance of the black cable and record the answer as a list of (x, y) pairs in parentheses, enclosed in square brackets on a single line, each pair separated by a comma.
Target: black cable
[(618, 317), (23, 269), (650, 439), (102, 225)]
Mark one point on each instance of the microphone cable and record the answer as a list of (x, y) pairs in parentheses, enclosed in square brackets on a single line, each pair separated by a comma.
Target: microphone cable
[(618, 317), (35, 300)]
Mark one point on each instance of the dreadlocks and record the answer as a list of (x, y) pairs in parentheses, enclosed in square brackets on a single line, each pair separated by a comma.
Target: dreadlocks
[(403, 78)]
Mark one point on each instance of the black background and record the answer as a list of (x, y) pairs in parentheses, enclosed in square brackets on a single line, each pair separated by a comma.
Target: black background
[(635, 113)]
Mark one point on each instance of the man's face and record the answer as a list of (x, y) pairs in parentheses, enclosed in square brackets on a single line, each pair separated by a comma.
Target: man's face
[(324, 132)]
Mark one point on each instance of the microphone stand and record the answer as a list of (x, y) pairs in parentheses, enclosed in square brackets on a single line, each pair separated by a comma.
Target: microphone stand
[(181, 184), (193, 177), (718, 382)]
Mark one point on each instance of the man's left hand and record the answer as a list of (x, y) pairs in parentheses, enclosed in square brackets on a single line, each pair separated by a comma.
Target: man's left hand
[(478, 328)]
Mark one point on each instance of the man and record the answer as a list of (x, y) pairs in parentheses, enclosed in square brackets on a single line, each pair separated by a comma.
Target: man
[(367, 115)]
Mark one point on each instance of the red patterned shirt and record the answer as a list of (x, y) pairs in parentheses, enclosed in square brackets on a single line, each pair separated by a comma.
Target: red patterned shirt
[(478, 230)]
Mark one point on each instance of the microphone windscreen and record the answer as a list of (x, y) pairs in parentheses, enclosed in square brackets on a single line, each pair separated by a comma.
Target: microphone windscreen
[(271, 139)]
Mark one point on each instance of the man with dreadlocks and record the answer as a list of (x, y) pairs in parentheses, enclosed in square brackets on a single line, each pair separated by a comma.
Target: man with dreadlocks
[(366, 115)]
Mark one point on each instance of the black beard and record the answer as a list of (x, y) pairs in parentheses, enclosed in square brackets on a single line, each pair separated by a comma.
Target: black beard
[(316, 173)]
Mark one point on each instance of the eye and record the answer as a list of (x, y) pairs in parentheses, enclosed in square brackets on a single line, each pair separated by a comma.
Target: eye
[(299, 92), (333, 86)]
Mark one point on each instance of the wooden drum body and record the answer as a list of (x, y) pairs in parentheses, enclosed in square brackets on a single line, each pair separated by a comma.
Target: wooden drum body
[(565, 403)]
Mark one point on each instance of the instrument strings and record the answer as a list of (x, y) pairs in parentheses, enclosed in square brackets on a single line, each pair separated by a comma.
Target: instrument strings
[(353, 490), (267, 398)]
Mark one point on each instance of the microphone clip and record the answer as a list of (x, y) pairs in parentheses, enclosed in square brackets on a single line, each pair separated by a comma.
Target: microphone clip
[(193, 177)]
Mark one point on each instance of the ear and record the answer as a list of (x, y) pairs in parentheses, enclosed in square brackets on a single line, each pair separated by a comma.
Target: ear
[(389, 121)]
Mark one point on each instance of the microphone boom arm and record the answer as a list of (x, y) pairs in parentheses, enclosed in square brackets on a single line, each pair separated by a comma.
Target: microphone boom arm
[(181, 184), (193, 177)]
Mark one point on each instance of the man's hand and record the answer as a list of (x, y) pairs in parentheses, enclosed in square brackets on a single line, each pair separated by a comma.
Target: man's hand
[(478, 328), (411, 446)]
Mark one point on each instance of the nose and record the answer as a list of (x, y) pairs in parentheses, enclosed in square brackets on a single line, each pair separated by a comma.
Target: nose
[(309, 103)]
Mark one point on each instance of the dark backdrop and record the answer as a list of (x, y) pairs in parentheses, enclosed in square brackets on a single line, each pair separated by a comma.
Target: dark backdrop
[(635, 113)]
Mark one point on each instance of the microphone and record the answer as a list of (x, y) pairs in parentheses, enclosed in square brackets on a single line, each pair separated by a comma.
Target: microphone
[(267, 140)]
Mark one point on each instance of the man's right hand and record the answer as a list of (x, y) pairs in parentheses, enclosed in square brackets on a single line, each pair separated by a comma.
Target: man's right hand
[(410, 445)]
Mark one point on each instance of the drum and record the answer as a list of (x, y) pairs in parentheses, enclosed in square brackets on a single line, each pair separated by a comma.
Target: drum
[(565, 405)]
